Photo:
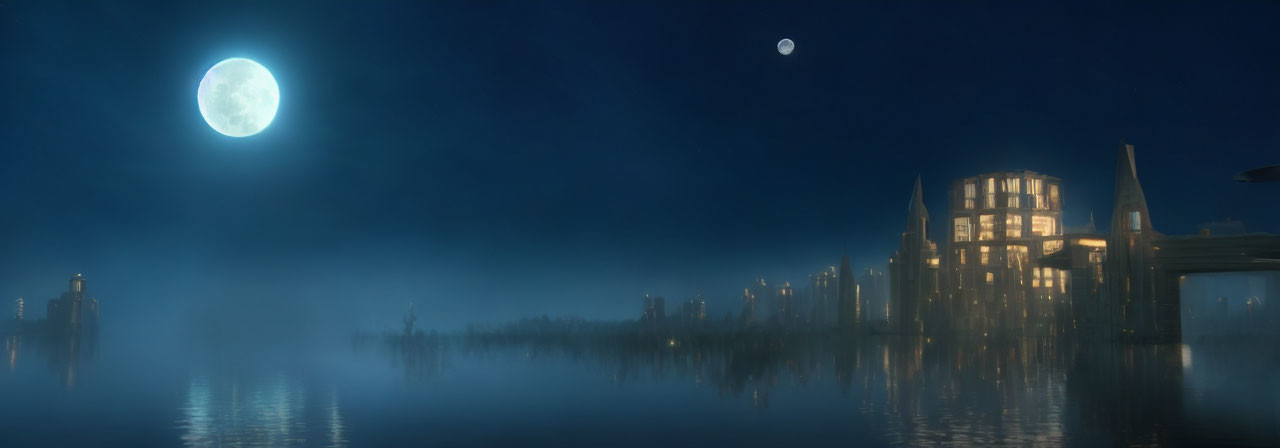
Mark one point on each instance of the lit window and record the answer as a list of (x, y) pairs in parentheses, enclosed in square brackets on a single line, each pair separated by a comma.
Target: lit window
[(989, 193), (1135, 221), (961, 253), (1013, 226), (1013, 188), (1048, 277), (1052, 246), (986, 227), (1016, 256), (1053, 196), (1035, 278), (1062, 281), (991, 278), (964, 230), (1035, 191), (1043, 226), (970, 195), (984, 255)]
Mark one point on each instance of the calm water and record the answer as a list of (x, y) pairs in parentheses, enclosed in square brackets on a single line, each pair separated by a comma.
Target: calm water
[(755, 390)]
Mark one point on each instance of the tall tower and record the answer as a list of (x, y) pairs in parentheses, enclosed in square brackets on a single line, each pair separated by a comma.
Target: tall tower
[(1132, 303), (846, 295), (914, 270), (18, 307), (76, 296), (823, 295)]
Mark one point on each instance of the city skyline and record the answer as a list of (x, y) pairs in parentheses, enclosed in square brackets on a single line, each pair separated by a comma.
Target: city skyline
[(481, 153), (639, 223)]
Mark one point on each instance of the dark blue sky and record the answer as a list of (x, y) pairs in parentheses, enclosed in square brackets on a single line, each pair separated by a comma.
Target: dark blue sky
[(490, 160)]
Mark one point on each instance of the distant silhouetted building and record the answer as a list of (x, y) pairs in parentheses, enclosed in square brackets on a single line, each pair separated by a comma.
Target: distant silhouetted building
[(71, 312), (786, 304), (752, 297), (823, 295), (847, 293), (873, 295), (654, 311), (748, 315), (694, 311)]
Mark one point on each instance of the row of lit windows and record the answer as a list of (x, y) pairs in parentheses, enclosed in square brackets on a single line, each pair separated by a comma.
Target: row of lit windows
[(1017, 254), (1040, 226), (1045, 276), (1013, 188)]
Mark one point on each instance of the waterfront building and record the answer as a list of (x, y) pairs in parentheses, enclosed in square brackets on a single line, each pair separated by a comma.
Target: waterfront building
[(18, 308), (71, 312), (1130, 269), (1001, 224), (915, 303)]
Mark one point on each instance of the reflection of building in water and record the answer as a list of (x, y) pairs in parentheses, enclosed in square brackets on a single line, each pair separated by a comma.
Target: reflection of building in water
[(273, 411), (12, 345)]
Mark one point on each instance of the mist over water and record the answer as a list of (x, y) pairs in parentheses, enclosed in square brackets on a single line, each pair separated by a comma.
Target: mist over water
[(552, 384)]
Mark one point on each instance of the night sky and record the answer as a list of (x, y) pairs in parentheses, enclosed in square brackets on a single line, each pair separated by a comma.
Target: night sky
[(492, 160)]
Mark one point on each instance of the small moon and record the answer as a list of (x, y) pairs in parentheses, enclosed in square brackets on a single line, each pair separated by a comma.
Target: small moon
[(238, 97), (786, 46)]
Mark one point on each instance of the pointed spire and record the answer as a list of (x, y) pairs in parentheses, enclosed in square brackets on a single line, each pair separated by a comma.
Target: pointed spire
[(917, 210), (1091, 228), (1129, 197)]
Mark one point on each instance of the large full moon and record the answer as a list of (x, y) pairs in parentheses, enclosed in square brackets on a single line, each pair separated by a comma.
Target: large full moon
[(238, 97), (786, 46)]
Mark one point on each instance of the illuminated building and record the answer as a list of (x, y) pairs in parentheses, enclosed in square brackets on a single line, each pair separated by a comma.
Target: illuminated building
[(915, 305), (18, 307), (823, 295), (1001, 223)]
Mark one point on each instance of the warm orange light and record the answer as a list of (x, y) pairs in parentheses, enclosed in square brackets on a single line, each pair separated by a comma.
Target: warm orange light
[(1091, 243)]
